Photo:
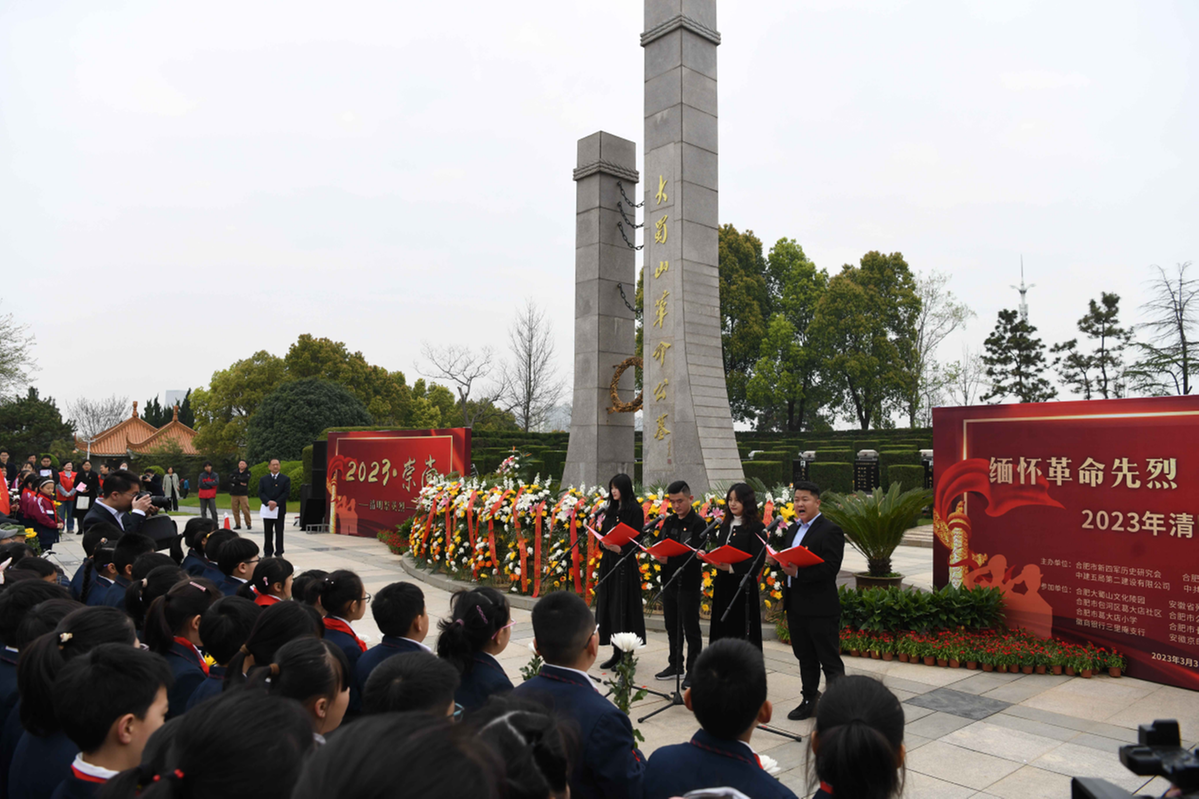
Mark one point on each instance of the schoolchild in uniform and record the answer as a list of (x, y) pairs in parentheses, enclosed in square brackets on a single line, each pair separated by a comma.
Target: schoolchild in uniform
[(412, 682), (728, 697), (306, 588), (344, 599), (530, 742), (565, 635), (96, 535), (479, 628), (274, 627), (173, 631), (99, 574), (399, 611), (140, 592), (212, 552), (237, 559), (270, 583), (43, 756), (41, 512), (195, 534), (128, 549), (858, 740), (15, 603), (224, 628), (314, 672), (110, 701)]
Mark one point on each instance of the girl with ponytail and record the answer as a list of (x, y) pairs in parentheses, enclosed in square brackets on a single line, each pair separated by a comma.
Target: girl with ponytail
[(478, 629), (275, 626), (240, 745), (858, 740), (271, 582), (344, 599), (172, 629), (315, 673), (147, 587), (99, 574), (44, 755)]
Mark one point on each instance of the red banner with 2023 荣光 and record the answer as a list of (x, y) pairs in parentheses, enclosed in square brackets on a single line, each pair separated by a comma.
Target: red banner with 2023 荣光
[(1083, 514), (373, 477)]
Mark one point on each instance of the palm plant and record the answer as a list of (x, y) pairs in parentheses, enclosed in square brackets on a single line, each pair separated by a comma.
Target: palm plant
[(875, 523)]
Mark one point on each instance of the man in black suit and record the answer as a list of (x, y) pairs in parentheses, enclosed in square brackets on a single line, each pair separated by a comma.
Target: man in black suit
[(118, 503), (810, 596), (273, 491)]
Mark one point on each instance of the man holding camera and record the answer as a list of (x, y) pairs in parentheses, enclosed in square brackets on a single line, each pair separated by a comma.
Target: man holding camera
[(122, 503)]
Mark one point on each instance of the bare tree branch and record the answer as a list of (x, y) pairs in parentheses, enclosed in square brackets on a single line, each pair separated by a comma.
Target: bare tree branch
[(92, 417), (16, 356), (465, 369), (1166, 362), (533, 386)]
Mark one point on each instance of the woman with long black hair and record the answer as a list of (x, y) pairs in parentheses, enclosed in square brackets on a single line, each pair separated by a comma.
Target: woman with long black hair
[(741, 529), (618, 598)]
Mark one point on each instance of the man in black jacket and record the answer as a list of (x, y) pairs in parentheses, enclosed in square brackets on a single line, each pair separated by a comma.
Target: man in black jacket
[(810, 597), (119, 505), (273, 490), (680, 604), (239, 496)]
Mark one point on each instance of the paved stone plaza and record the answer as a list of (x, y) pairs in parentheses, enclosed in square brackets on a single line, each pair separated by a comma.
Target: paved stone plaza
[(968, 733)]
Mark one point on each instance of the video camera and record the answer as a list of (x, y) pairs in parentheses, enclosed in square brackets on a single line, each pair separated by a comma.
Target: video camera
[(1158, 752)]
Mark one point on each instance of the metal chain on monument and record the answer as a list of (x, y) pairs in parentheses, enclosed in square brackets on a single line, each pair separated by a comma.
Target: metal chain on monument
[(620, 186)]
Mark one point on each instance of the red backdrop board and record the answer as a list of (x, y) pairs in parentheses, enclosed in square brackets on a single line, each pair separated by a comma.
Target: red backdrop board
[(1083, 514), (373, 477)]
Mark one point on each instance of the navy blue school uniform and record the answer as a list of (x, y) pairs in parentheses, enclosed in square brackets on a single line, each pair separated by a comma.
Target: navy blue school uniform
[(115, 596), (486, 677), (230, 586), (212, 686), (75, 787), (194, 565), (98, 591), (368, 660), (189, 671), (77, 580), (611, 766), (339, 632), (40, 764), (8, 680), (708, 762), (10, 736)]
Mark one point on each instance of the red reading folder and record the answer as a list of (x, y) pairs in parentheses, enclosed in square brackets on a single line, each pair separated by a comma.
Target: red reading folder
[(724, 555), (795, 556), (620, 535), (668, 548)]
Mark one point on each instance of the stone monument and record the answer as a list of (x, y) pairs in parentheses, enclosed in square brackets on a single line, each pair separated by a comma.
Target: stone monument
[(688, 425), (601, 442)]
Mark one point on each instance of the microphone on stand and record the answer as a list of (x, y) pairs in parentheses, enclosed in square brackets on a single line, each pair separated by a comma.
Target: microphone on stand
[(774, 525), (651, 525)]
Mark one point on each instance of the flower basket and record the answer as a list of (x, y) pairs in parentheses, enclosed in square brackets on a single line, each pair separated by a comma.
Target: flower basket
[(988, 667), (1026, 669), (1056, 668), (942, 662), (1086, 674), (971, 664), (875, 654), (903, 657), (1040, 668), (1002, 668), (954, 663), (853, 653), (1114, 671), (929, 660), (1069, 671), (891, 656)]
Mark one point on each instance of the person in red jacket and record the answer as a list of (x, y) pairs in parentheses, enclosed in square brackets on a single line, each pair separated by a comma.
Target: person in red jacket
[(40, 511), (208, 483), (65, 494)]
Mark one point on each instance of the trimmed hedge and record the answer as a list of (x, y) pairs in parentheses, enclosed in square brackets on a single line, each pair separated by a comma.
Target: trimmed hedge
[(907, 476), (831, 476), (835, 456), (771, 473), (896, 609)]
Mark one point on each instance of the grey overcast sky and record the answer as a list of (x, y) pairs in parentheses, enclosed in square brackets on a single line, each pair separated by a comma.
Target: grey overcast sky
[(184, 184)]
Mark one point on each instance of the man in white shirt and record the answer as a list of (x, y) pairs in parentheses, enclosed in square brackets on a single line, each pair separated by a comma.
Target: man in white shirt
[(119, 504)]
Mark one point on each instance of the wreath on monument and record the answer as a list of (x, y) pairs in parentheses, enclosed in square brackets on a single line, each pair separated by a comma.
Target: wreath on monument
[(617, 405)]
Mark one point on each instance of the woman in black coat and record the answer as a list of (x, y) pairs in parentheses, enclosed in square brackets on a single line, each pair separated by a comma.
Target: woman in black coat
[(741, 529), (618, 600), (87, 484)]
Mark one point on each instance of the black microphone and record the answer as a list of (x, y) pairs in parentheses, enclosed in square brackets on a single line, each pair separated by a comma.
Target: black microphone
[(774, 525), (651, 525), (708, 530)]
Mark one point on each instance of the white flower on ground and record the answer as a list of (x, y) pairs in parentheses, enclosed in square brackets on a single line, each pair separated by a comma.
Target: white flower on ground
[(627, 642), (533, 649), (769, 765)]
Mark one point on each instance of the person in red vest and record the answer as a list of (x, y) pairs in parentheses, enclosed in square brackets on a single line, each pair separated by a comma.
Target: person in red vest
[(208, 483), (65, 494)]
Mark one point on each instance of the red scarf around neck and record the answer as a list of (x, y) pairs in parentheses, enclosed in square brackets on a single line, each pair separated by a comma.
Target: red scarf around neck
[(339, 625)]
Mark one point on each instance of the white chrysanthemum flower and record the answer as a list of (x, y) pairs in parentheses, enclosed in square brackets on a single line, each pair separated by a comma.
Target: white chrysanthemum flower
[(770, 765), (627, 642)]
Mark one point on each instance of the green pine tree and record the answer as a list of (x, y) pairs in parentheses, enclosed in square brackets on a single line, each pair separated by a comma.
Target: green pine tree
[(1015, 361)]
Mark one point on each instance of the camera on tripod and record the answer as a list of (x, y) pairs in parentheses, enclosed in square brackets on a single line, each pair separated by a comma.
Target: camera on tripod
[(1158, 752)]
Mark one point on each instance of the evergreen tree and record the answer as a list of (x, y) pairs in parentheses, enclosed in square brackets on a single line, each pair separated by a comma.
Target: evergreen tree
[(186, 415), (1101, 373), (34, 425), (1015, 361)]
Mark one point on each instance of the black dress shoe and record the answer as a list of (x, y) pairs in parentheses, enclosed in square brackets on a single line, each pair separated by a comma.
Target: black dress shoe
[(687, 681), (611, 662), (806, 709)]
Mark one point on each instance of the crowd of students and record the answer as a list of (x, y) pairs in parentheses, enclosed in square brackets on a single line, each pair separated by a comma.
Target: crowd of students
[(223, 674)]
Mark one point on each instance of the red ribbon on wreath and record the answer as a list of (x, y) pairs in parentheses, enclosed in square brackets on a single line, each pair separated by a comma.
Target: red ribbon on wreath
[(495, 561), (471, 522), (574, 547), (591, 561), (520, 543), (429, 524), (537, 550)]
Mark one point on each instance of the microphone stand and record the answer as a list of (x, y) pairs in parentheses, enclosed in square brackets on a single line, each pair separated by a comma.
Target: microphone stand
[(676, 698), (745, 582)]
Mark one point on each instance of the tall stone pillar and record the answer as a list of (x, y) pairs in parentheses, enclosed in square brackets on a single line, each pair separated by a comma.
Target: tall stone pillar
[(601, 443), (688, 426)]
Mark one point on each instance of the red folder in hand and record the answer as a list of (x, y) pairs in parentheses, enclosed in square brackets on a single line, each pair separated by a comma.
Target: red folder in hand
[(620, 535), (668, 548), (725, 555), (795, 556)]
